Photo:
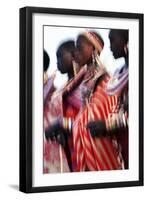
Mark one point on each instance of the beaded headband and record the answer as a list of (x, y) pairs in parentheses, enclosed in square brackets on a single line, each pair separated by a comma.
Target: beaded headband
[(91, 36)]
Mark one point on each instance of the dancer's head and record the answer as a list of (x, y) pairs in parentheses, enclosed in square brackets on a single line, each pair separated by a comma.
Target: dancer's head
[(86, 43)]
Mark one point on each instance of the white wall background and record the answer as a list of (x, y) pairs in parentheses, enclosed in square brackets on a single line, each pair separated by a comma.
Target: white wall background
[(9, 111)]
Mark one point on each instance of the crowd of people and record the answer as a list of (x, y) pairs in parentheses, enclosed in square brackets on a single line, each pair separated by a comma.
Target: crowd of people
[(86, 122)]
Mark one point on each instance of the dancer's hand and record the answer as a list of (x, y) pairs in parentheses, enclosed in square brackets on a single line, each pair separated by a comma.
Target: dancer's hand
[(97, 128), (56, 133)]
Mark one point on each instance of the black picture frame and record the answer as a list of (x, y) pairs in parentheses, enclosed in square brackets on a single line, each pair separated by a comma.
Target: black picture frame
[(26, 88)]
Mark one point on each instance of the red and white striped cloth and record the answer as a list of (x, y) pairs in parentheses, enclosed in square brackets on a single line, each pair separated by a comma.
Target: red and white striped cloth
[(56, 108), (54, 155), (98, 153)]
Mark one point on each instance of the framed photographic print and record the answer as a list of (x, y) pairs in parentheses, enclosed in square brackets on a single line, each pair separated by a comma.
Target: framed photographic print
[(81, 99)]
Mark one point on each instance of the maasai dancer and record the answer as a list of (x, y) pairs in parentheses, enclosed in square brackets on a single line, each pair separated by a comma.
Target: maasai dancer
[(48, 86), (52, 152), (100, 152), (61, 111), (118, 85)]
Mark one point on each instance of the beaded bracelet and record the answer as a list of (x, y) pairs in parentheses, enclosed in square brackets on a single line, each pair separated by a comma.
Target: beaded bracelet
[(67, 123)]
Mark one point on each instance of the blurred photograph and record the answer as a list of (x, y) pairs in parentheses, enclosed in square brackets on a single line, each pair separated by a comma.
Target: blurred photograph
[(85, 99)]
